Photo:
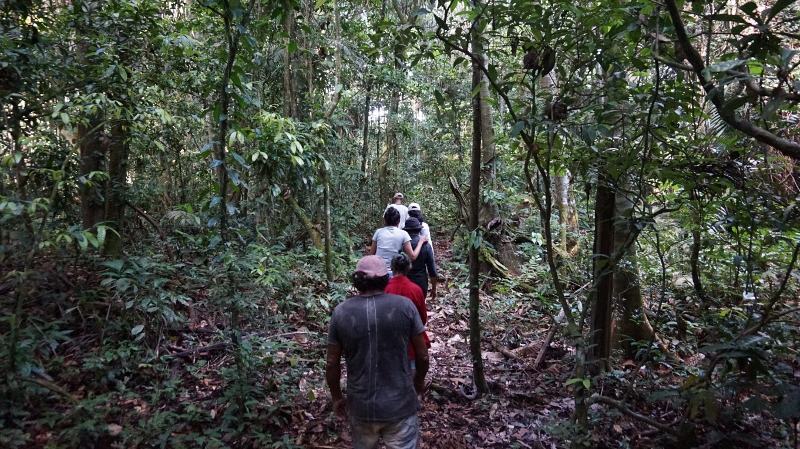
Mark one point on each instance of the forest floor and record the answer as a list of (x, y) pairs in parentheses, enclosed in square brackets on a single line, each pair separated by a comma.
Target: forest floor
[(527, 407)]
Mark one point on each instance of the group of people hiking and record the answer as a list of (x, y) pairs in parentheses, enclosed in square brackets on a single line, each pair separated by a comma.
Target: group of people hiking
[(381, 333)]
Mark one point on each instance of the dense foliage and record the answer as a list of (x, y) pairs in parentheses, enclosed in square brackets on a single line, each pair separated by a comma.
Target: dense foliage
[(185, 187)]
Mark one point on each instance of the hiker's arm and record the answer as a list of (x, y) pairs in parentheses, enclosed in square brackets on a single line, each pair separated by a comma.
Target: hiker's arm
[(333, 375), (422, 361)]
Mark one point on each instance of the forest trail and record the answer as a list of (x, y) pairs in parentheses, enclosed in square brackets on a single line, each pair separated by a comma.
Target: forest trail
[(522, 399)]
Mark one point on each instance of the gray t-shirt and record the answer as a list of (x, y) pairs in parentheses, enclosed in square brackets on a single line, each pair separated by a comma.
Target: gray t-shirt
[(374, 333), (389, 242)]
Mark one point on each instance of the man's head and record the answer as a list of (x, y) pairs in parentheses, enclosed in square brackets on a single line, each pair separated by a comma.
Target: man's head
[(391, 217), (371, 274), (398, 198), (414, 206), (412, 226), (401, 263), (416, 213)]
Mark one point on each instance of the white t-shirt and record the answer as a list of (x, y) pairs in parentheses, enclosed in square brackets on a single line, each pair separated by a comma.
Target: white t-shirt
[(426, 232), (389, 241), (403, 214)]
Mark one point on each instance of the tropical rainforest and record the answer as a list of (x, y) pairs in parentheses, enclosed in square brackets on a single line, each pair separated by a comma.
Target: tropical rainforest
[(611, 187)]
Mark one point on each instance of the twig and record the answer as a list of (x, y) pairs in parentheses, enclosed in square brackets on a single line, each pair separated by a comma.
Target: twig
[(503, 350), (50, 386), (545, 344), (626, 411)]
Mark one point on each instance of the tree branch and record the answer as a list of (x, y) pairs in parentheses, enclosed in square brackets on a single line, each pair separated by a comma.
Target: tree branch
[(155, 225), (673, 64), (784, 146)]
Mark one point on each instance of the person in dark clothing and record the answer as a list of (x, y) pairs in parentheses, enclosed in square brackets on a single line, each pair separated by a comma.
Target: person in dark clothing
[(424, 265), (416, 212)]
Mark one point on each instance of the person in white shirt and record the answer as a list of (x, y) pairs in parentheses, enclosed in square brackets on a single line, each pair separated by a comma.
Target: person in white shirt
[(398, 204), (390, 240)]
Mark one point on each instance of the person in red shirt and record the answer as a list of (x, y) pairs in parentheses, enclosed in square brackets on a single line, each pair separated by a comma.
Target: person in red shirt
[(401, 285)]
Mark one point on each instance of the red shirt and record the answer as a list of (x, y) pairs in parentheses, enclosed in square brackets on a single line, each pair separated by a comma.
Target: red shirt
[(401, 285)]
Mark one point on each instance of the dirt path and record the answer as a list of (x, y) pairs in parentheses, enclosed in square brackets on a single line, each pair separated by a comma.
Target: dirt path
[(521, 401)]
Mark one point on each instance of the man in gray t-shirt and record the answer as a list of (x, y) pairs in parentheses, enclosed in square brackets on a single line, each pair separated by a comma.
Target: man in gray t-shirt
[(373, 331)]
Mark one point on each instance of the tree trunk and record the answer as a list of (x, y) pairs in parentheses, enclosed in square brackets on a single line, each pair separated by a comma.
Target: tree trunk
[(92, 149), (91, 144), (389, 144), (313, 232), (115, 192), (601, 329), (633, 325), (365, 145), (490, 211), (289, 84), (567, 214), (478, 374)]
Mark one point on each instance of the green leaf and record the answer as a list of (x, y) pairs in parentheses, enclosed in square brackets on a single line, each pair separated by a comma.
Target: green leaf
[(101, 235), (688, 383), (137, 329), (292, 47), (91, 238), (749, 8), (724, 66), (492, 72), (756, 68), (206, 150), (475, 91), (771, 107), (82, 242), (115, 264), (574, 380), (319, 4), (779, 6), (711, 406), (439, 97), (518, 127)]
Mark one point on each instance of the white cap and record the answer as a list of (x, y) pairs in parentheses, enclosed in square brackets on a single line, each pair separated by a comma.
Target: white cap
[(413, 206)]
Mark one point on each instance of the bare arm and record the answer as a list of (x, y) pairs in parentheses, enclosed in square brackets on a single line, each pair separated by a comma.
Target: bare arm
[(414, 253), (373, 248), (434, 281), (430, 267), (422, 361), (333, 375)]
